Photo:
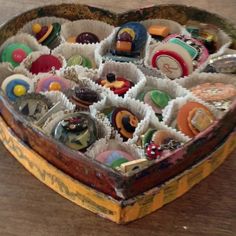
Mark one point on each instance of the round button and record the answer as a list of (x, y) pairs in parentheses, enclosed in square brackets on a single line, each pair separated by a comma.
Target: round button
[(86, 38), (19, 90), (55, 86), (36, 28), (172, 60), (19, 55)]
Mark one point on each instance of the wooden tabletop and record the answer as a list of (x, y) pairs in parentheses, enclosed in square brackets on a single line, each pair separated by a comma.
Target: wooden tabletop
[(27, 207)]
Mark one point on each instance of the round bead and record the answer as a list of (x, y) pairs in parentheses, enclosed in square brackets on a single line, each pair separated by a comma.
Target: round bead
[(18, 55), (36, 28), (55, 86), (19, 90)]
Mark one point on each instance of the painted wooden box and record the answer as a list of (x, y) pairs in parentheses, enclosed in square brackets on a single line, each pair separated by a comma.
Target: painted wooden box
[(94, 186)]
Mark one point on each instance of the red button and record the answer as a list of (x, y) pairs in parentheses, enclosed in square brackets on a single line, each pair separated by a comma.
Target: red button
[(18, 55)]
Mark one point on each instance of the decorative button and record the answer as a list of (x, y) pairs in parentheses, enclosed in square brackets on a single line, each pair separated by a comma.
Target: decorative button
[(45, 63), (19, 90), (87, 38), (19, 55)]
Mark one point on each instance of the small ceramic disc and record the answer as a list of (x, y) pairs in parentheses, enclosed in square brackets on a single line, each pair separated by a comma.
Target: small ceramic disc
[(45, 63), (15, 53), (17, 85), (51, 83), (172, 60)]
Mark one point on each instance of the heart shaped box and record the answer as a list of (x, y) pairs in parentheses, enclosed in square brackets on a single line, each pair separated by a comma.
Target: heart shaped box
[(95, 187)]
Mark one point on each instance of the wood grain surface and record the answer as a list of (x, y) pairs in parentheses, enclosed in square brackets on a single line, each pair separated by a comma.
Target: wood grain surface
[(27, 207)]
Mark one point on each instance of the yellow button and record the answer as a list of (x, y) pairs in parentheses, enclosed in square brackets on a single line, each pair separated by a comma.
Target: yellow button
[(19, 90), (55, 86)]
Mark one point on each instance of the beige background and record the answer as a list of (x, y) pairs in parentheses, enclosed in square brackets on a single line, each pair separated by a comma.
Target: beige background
[(27, 207)]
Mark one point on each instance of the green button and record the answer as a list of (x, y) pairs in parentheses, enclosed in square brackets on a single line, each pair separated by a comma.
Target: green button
[(160, 98)]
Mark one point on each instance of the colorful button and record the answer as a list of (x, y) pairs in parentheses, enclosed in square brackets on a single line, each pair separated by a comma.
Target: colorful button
[(16, 85), (51, 83), (118, 85), (83, 97), (184, 117), (193, 47), (172, 60), (124, 121), (87, 38), (15, 53), (45, 63), (47, 34)]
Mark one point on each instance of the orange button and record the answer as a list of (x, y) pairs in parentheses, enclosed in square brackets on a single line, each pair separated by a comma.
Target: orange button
[(183, 114), (123, 46), (158, 30)]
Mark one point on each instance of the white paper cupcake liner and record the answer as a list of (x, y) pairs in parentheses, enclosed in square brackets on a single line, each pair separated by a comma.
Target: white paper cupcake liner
[(126, 70), (68, 50), (165, 85), (57, 96), (27, 62), (72, 29), (201, 78), (170, 112), (142, 112), (26, 39)]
